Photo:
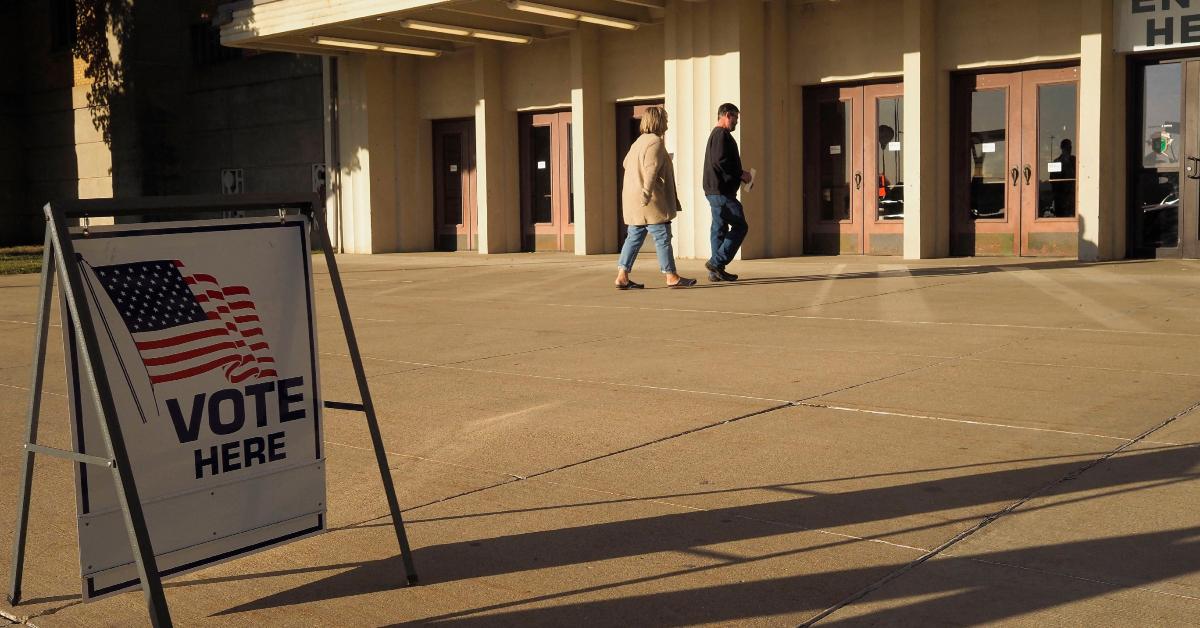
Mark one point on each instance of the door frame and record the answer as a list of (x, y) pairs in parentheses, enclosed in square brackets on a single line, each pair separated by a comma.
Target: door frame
[(839, 233), (468, 229), (853, 235), (872, 225), (1021, 118), (560, 226), (1189, 189), (1030, 220)]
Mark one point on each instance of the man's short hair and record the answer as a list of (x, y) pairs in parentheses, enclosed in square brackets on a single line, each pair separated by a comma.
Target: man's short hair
[(727, 108)]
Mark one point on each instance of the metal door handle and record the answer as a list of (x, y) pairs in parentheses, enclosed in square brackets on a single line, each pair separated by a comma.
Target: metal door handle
[(858, 180), (1028, 174), (1016, 175), (1193, 167)]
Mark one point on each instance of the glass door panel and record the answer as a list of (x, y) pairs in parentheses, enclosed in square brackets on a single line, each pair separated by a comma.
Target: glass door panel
[(541, 167), (452, 179), (837, 165), (989, 154), (883, 150), (889, 159), (1056, 151), (1156, 182), (455, 209)]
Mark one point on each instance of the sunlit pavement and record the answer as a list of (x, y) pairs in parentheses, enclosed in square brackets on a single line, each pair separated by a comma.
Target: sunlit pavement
[(866, 441)]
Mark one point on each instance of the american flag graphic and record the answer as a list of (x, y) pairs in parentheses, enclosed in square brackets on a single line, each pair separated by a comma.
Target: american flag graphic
[(187, 324)]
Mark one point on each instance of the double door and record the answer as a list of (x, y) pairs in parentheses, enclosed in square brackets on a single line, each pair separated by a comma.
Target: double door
[(1013, 163), (547, 186), (854, 163), (1164, 220), (456, 211)]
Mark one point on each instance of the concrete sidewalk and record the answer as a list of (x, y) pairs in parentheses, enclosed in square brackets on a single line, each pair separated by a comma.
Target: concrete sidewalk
[(870, 441)]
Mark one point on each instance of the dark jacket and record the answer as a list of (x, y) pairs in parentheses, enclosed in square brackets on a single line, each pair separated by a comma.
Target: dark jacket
[(722, 164)]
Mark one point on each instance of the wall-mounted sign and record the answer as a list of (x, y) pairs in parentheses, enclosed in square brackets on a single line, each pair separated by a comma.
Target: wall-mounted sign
[(233, 181), (1156, 24)]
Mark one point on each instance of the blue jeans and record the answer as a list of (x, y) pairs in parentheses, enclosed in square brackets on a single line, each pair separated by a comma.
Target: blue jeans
[(728, 229), (662, 245)]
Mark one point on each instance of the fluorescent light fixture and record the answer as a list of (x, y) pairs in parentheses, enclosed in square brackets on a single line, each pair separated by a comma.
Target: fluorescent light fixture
[(359, 44), (604, 20), (462, 31), (543, 9), (496, 36), (436, 28), (571, 14)]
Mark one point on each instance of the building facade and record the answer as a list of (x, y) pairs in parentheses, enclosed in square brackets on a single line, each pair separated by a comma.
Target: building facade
[(139, 98), (922, 128)]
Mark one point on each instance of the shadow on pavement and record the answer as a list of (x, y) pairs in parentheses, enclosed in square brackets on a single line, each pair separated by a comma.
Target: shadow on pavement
[(932, 271), (1141, 559)]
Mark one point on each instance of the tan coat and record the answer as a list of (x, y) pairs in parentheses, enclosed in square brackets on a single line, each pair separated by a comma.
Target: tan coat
[(648, 195)]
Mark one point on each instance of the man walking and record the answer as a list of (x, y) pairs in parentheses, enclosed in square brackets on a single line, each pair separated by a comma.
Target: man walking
[(723, 175)]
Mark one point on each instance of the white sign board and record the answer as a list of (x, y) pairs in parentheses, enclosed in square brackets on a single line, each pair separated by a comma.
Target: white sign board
[(209, 347), (1157, 24)]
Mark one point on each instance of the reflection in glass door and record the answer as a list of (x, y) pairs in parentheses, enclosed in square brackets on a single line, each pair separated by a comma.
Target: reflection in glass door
[(1014, 184), (854, 170), (547, 195), (1155, 213)]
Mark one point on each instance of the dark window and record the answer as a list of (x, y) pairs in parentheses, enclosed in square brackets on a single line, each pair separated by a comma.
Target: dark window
[(207, 48), (62, 25)]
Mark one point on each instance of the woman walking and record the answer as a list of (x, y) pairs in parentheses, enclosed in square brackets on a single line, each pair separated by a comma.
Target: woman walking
[(650, 202)]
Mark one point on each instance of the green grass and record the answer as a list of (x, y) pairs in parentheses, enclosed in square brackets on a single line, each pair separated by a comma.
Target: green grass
[(19, 260)]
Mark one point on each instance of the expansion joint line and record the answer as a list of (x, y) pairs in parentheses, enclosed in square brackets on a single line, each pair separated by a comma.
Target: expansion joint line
[(988, 520)]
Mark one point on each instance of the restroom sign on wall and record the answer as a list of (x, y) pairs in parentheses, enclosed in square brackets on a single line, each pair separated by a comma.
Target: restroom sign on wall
[(1157, 24)]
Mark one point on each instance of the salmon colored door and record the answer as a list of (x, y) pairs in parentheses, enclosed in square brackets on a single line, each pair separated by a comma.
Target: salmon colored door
[(854, 170), (456, 213), (1014, 172), (547, 194)]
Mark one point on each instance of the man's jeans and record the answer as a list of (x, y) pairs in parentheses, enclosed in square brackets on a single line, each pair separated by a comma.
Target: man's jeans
[(662, 244), (728, 229)]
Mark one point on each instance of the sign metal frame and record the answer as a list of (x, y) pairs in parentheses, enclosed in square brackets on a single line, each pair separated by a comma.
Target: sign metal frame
[(57, 251)]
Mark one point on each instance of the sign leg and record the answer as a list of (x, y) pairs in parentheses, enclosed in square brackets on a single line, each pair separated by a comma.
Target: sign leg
[(31, 427), (110, 426), (364, 392)]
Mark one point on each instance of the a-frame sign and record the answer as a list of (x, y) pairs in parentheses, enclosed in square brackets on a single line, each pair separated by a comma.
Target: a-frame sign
[(196, 405)]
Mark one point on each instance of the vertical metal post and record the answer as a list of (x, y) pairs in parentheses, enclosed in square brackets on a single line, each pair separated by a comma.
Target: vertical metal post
[(364, 392), (31, 427), (110, 426)]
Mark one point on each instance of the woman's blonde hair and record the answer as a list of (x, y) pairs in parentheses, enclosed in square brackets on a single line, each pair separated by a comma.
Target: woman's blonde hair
[(654, 120)]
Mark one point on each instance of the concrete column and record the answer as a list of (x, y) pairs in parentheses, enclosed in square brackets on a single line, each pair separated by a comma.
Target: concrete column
[(924, 231), (703, 69), (777, 170), (499, 210), (367, 154), (587, 125), (1101, 137), (413, 176)]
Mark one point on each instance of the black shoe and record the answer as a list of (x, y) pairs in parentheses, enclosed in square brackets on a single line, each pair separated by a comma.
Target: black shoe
[(717, 273)]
